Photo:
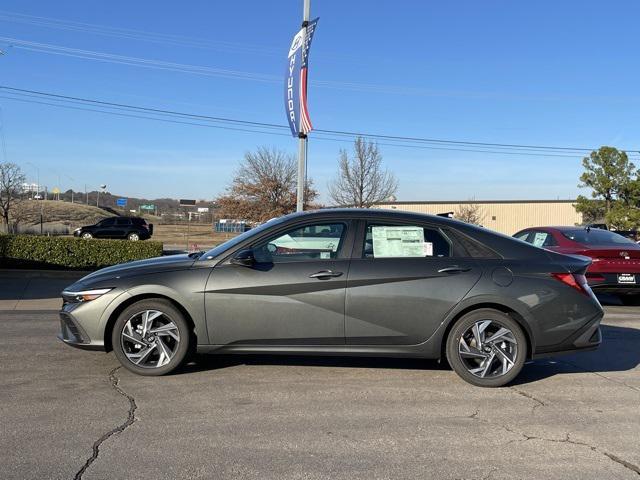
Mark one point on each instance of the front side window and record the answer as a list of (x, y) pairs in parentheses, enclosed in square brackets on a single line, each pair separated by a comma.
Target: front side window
[(524, 236), (542, 239), (107, 222), (398, 241), (311, 242)]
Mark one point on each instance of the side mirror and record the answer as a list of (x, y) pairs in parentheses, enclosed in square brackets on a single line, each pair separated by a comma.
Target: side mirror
[(243, 258)]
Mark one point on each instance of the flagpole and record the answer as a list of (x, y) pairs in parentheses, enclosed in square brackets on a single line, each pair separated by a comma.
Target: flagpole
[(302, 138)]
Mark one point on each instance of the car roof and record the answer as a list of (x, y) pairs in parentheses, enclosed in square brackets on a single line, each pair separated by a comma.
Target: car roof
[(369, 212), (561, 228)]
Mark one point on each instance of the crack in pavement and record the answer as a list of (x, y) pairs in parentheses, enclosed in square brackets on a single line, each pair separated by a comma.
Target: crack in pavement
[(525, 438), (130, 419), (538, 402)]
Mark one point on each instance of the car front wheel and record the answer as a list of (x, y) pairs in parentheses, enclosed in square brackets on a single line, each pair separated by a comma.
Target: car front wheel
[(151, 337), (487, 348), (87, 235)]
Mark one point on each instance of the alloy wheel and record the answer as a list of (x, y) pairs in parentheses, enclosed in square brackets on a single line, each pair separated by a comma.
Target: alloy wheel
[(134, 237), (150, 339), (488, 349)]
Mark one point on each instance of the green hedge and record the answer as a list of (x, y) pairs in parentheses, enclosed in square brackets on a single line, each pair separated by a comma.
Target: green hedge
[(73, 253)]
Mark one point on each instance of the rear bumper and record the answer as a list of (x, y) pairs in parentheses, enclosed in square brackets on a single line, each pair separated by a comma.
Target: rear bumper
[(608, 283), (589, 337)]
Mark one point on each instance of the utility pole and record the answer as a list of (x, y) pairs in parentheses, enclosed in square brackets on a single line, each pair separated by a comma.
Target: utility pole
[(302, 138)]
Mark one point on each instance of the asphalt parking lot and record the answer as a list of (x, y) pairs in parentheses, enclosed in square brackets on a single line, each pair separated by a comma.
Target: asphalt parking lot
[(74, 414)]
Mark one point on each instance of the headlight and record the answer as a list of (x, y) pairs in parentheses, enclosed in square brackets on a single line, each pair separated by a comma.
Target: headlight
[(84, 295)]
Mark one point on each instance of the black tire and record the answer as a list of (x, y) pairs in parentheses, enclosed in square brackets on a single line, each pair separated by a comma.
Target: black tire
[(498, 319), (630, 300), (170, 313), (133, 236)]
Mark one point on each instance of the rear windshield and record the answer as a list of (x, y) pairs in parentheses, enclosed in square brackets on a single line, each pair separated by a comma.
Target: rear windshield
[(595, 236)]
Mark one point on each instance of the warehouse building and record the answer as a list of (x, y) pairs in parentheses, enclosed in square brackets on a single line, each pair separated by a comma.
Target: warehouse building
[(505, 216)]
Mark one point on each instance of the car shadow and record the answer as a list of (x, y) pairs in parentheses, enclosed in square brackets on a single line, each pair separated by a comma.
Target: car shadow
[(618, 352)]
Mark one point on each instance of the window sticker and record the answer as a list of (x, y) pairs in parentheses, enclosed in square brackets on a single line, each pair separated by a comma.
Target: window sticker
[(540, 238), (427, 249), (398, 242)]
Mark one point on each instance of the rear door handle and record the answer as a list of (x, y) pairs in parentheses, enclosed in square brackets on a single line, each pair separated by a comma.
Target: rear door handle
[(454, 269), (325, 274)]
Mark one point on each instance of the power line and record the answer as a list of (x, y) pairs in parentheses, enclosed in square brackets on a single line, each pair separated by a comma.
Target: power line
[(134, 111)]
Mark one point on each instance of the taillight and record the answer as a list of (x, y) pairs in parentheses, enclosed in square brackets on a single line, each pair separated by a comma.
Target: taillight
[(574, 280)]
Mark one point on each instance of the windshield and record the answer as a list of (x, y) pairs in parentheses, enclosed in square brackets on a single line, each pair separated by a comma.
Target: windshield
[(596, 237), (215, 251)]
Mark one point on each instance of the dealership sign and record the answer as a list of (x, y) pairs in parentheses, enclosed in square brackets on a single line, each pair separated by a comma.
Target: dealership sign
[(295, 84)]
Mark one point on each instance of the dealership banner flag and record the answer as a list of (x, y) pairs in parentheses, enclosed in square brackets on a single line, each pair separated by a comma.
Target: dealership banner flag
[(295, 84)]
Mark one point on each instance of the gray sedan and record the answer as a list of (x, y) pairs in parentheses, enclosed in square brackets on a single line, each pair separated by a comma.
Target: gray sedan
[(343, 282)]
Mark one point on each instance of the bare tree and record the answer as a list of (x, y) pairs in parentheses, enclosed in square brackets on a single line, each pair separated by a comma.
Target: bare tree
[(361, 181), (470, 212), (11, 180), (264, 187)]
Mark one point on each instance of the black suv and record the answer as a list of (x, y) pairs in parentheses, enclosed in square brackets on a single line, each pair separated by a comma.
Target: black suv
[(131, 228)]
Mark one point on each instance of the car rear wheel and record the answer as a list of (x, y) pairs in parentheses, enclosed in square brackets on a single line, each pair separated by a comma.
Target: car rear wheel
[(487, 348), (87, 235), (151, 337), (133, 236)]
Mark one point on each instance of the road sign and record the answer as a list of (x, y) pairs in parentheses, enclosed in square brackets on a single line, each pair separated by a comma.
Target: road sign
[(203, 209), (187, 203), (149, 206), (121, 202)]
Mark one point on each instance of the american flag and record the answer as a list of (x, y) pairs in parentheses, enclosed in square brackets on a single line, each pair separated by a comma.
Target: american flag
[(305, 120), (295, 98)]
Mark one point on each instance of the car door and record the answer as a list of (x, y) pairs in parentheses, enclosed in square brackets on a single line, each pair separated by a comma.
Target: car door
[(103, 228), (403, 280), (293, 293), (121, 228)]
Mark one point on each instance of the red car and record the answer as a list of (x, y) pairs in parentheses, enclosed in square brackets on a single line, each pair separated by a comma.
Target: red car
[(616, 259)]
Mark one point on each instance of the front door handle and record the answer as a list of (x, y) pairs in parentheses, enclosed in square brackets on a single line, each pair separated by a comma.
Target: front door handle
[(454, 269), (325, 274)]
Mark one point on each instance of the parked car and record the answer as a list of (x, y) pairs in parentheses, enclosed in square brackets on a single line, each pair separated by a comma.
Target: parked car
[(615, 266), (130, 228), (343, 282)]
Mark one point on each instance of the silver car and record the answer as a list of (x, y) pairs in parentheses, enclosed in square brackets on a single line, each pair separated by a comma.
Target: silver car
[(343, 282)]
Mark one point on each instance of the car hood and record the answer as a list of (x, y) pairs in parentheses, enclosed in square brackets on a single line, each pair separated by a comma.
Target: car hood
[(138, 267)]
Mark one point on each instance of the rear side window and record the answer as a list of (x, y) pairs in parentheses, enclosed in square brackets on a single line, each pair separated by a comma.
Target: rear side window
[(138, 221), (122, 221), (401, 241), (465, 246)]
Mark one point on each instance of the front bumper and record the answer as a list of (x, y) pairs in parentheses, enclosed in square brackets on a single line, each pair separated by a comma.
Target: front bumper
[(71, 333)]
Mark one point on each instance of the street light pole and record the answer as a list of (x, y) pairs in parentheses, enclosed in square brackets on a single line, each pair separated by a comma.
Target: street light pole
[(302, 138)]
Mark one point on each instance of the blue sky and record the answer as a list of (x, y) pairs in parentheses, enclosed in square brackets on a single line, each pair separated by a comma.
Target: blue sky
[(543, 73)]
